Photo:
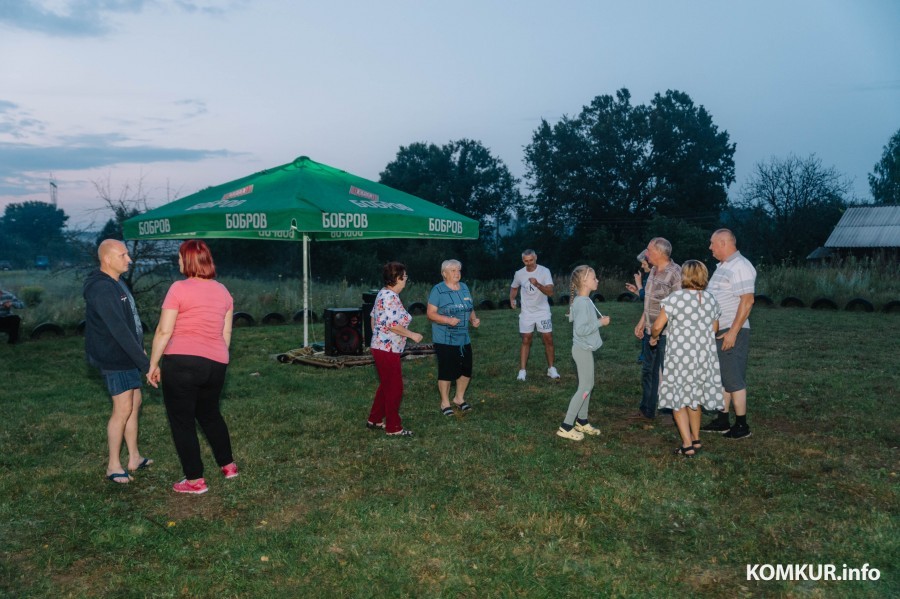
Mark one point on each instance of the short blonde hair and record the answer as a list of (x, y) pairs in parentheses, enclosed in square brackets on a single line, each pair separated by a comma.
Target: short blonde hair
[(694, 275), (448, 264)]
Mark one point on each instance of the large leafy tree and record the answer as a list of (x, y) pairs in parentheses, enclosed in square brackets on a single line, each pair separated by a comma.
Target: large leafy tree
[(590, 171), (461, 175), (793, 204), (31, 228), (884, 181), (616, 165), (39, 222), (691, 161)]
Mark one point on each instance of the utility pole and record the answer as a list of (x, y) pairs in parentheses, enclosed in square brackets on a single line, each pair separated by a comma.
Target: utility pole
[(53, 191)]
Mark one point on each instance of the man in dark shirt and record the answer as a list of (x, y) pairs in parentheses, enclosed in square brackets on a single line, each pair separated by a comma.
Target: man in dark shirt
[(113, 342)]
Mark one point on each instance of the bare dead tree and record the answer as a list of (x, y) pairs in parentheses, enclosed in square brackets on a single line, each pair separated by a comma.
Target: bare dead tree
[(786, 187), (795, 202), (149, 257)]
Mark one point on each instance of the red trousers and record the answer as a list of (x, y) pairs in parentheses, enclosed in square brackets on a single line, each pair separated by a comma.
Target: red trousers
[(390, 391)]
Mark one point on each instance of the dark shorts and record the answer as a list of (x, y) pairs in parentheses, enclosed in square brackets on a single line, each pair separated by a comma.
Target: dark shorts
[(733, 363), (120, 381), (453, 361)]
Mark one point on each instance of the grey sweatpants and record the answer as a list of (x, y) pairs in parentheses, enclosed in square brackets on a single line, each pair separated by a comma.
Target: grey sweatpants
[(578, 405)]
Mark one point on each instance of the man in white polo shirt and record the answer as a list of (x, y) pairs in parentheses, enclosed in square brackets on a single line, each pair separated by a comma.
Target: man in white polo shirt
[(733, 285), (536, 284)]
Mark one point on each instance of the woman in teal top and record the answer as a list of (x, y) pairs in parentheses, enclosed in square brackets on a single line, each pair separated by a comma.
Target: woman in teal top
[(450, 310)]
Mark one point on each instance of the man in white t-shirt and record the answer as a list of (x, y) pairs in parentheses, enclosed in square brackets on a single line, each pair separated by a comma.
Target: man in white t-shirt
[(536, 285)]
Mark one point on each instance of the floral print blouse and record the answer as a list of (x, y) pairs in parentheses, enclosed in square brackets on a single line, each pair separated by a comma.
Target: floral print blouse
[(388, 312)]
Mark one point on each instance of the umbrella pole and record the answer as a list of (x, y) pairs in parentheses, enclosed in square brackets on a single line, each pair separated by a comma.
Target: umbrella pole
[(305, 290)]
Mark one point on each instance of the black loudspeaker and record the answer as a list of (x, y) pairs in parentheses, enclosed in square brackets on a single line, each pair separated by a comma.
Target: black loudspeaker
[(343, 331), (368, 305), (367, 323)]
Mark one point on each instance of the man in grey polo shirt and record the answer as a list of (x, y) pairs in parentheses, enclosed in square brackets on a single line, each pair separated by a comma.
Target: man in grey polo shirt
[(664, 278), (732, 284)]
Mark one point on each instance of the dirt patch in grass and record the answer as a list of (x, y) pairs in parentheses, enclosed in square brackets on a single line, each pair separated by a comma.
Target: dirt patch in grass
[(180, 507), (286, 516)]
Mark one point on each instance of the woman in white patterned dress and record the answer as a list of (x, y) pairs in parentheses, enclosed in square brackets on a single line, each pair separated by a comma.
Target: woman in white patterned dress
[(691, 378)]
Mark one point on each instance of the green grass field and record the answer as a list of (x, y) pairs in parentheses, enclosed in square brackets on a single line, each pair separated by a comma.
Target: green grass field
[(488, 505)]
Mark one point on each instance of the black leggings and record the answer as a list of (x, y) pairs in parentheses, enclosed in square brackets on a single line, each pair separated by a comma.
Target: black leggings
[(191, 388)]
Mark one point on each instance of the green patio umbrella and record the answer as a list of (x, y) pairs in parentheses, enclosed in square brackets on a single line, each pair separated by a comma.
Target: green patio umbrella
[(299, 201)]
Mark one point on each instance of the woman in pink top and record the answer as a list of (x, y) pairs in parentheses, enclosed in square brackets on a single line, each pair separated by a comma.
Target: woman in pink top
[(193, 334)]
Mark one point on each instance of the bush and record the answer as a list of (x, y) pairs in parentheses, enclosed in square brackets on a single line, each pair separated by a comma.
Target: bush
[(32, 296)]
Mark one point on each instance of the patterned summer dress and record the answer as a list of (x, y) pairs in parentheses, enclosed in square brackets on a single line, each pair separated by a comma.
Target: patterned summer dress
[(691, 371)]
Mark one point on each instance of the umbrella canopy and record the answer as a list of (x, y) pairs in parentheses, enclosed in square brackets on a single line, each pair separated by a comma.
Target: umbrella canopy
[(300, 197), (299, 201)]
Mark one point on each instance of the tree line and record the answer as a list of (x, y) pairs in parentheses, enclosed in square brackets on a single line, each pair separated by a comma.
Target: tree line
[(598, 186)]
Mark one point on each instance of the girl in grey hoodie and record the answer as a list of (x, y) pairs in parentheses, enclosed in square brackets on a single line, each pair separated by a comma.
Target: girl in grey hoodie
[(586, 322)]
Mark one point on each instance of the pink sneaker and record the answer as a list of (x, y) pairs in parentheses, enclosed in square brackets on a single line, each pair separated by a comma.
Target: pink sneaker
[(185, 486), (230, 471)]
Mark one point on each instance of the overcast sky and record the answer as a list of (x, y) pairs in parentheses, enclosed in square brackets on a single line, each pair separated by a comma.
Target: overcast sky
[(184, 94)]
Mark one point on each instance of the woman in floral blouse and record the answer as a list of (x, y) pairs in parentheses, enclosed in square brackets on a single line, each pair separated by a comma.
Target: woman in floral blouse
[(389, 334)]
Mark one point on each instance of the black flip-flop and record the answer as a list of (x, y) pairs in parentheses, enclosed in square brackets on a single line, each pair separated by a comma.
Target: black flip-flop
[(464, 406), (145, 463), (117, 475), (448, 411)]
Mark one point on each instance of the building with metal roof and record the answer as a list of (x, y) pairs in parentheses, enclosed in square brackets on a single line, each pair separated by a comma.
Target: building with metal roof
[(867, 227), (863, 230)]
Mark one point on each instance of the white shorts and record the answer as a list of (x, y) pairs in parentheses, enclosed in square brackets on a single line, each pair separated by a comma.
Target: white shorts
[(541, 321)]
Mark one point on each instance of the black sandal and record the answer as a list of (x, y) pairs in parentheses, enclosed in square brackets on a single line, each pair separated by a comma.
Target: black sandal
[(697, 445), (464, 406), (372, 426), (448, 411), (683, 451)]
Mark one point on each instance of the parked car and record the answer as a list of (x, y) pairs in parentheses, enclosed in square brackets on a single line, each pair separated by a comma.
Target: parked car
[(5, 265), (42, 262)]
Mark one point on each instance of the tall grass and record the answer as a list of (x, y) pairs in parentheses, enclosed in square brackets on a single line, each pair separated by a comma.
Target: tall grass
[(61, 302), (877, 282)]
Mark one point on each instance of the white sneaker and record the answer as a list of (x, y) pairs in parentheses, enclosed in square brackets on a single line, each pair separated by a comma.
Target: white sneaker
[(587, 429), (572, 434), (521, 376), (551, 372)]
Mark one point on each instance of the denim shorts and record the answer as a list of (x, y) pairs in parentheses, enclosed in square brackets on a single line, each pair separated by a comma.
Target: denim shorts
[(120, 381)]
